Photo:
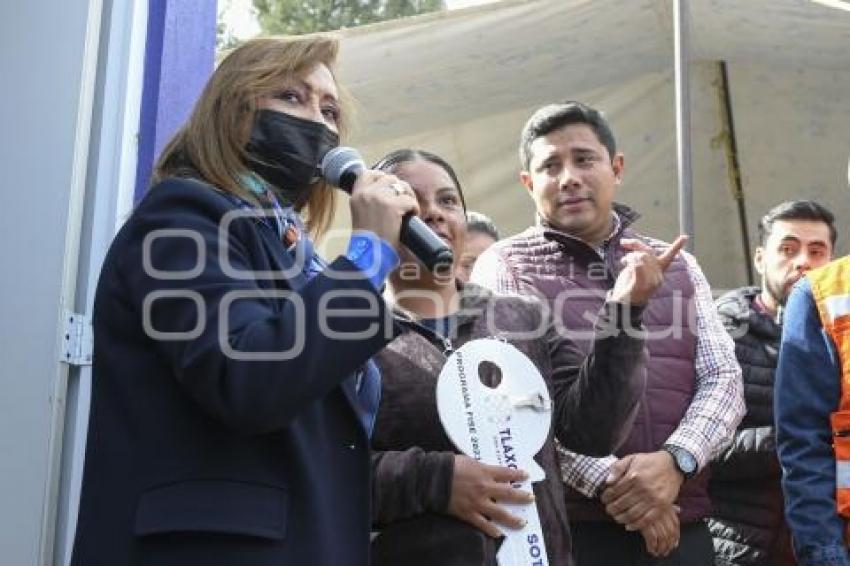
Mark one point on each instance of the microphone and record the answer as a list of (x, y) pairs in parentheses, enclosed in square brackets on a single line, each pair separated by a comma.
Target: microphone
[(342, 165)]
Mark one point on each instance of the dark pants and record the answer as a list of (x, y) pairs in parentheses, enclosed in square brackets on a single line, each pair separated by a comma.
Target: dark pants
[(608, 544)]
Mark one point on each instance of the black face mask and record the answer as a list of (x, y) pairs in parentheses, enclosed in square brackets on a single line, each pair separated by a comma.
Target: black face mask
[(286, 151)]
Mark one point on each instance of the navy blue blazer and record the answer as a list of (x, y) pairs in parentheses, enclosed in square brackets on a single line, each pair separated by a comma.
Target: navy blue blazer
[(195, 456)]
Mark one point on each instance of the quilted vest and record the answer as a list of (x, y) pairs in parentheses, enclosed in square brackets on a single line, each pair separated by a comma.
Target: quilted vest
[(574, 280)]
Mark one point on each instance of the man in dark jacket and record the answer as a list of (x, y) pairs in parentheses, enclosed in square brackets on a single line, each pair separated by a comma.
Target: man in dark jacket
[(622, 507), (747, 522)]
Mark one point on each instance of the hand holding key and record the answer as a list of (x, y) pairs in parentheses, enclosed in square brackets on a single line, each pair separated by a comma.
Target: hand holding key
[(478, 491)]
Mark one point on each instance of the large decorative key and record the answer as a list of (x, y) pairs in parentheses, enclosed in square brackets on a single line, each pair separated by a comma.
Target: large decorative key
[(504, 425)]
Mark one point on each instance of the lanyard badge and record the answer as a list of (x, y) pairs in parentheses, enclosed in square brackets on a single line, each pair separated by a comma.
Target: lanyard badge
[(503, 426)]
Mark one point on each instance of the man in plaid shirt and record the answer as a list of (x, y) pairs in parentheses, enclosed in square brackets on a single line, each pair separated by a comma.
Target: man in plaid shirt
[(645, 503)]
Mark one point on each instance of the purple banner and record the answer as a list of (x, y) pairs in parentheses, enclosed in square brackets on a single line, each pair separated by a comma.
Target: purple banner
[(179, 57)]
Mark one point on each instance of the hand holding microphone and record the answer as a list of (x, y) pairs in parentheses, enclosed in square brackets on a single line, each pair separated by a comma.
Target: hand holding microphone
[(379, 203), (385, 205)]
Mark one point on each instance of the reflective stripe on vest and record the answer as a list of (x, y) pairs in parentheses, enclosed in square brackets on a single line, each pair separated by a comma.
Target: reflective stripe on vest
[(831, 292), (842, 474), (836, 307)]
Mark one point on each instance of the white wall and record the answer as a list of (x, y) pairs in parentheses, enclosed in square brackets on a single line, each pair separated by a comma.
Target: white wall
[(48, 56)]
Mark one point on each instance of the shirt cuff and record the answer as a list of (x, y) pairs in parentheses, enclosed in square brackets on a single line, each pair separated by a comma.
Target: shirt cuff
[(596, 479), (375, 257), (585, 474)]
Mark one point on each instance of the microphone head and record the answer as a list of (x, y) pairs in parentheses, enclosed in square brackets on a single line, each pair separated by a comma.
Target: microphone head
[(341, 165)]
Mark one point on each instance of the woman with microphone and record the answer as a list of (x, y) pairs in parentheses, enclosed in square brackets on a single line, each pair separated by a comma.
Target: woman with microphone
[(433, 505), (233, 388)]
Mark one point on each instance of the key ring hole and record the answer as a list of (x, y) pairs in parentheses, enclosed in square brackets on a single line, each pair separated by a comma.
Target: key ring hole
[(489, 374)]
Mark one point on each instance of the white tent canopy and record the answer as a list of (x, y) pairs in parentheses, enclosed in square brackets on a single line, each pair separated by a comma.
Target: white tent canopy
[(463, 83)]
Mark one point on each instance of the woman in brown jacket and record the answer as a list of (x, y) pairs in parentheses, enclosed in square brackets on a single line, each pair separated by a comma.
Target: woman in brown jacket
[(432, 505)]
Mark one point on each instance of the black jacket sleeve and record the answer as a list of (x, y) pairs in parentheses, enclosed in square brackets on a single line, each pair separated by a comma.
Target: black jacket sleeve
[(597, 396), (252, 353), (752, 455), (410, 482)]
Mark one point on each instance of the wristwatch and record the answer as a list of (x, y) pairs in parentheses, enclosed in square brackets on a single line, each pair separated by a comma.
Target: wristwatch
[(684, 460)]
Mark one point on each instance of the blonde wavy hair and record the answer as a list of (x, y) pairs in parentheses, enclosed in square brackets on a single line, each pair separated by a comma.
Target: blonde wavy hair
[(211, 144)]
